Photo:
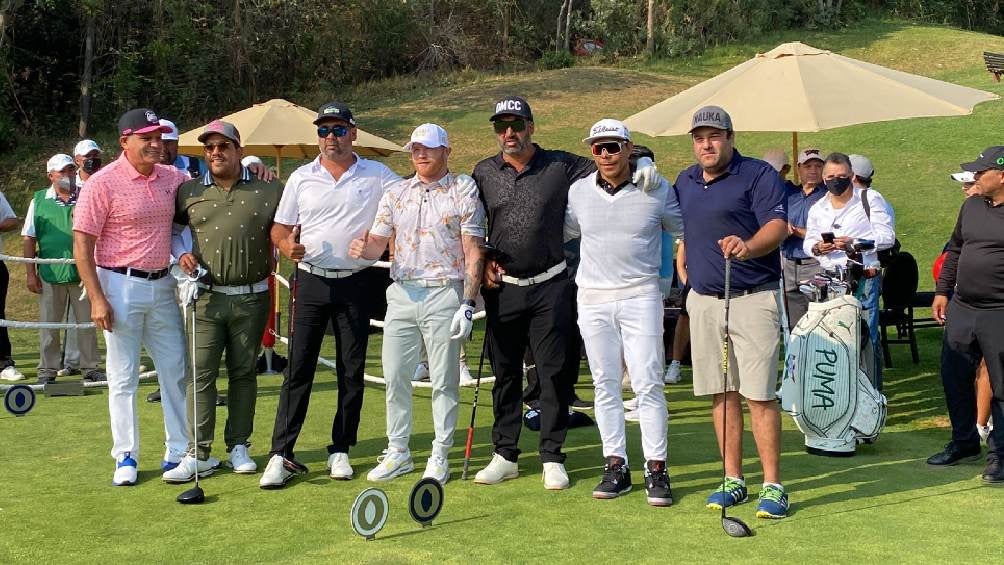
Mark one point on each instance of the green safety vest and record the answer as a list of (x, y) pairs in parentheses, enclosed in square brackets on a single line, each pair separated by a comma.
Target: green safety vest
[(54, 236)]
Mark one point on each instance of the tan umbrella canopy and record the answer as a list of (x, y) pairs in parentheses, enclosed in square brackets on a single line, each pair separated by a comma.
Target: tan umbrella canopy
[(798, 88), (278, 128)]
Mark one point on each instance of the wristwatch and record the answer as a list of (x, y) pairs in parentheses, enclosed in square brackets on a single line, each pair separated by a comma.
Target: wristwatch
[(468, 302)]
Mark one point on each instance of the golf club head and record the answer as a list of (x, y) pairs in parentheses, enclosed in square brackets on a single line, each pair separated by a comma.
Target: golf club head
[(735, 527), (195, 495)]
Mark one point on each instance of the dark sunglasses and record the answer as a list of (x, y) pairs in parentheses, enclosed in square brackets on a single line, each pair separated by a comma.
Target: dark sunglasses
[(611, 147), (222, 146), (516, 125), (339, 131)]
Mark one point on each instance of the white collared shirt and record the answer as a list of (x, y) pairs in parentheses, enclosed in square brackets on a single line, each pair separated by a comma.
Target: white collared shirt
[(332, 213), (851, 221), (427, 221)]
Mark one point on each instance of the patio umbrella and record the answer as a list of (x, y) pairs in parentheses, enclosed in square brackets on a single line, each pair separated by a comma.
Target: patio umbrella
[(278, 128), (798, 88)]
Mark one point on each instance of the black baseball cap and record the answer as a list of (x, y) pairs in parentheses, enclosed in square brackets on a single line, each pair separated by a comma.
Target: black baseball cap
[(512, 106), (141, 120), (338, 110), (990, 158)]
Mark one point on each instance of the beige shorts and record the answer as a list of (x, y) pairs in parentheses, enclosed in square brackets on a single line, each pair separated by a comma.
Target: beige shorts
[(755, 343)]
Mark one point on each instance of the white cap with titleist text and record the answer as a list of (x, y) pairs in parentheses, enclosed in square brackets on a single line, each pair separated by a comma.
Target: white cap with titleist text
[(429, 136), (608, 129), (58, 162), (171, 135), (85, 146)]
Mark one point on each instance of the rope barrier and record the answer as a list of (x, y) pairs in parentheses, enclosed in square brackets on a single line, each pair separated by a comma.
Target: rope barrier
[(36, 260), (146, 375), (17, 325)]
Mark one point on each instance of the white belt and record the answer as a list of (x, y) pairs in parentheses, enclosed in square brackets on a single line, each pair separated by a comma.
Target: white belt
[(260, 286), (428, 283), (326, 273), (545, 276)]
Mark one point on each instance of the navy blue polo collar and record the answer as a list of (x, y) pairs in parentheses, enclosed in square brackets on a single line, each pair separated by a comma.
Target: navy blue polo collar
[(697, 172)]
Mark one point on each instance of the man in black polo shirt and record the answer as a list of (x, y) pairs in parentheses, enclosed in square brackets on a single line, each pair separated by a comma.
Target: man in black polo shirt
[(734, 206), (529, 298), (974, 270)]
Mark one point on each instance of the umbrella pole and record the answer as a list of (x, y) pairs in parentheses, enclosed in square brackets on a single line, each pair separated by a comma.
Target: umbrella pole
[(794, 157), (278, 161)]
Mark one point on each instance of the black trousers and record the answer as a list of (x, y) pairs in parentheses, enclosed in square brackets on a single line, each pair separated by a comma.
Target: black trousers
[(5, 351), (345, 304), (531, 394), (971, 333), (541, 316)]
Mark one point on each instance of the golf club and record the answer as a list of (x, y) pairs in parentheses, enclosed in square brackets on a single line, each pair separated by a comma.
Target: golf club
[(294, 284), (474, 408), (732, 526), (194, 495)]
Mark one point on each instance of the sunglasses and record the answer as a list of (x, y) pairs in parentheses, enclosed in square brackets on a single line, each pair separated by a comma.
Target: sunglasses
[(611, 147), (516, 126), (222, 146), (339, 131)]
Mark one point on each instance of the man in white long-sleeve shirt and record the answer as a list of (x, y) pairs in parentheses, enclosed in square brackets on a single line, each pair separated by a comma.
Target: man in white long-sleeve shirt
[(842, 214), (620, 305)]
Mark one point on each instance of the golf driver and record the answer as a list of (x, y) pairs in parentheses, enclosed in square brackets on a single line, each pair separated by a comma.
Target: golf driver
[(289, 463), (474, 408), (194, 495), (732, 526)]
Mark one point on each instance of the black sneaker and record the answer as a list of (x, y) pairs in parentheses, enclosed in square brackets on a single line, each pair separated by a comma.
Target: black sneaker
[(954, 453), (657, 484), (993, 473), (153, 396), (95, 376), (616, 479), (579, 404)]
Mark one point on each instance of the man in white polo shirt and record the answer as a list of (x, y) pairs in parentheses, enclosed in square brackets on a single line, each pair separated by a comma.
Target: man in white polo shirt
[(620, 305), (326, 204), (438, 226)]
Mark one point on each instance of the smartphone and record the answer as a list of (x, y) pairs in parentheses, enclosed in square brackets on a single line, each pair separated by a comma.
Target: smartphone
[(827, 237)]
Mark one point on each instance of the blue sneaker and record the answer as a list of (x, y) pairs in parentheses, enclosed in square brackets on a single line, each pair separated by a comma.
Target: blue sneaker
[(729, 494), (125, 471), (166, 465), (170, 460), (773, 503)]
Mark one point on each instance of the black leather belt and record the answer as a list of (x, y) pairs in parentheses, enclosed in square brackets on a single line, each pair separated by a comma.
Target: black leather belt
[(759, 288), (129, 271)]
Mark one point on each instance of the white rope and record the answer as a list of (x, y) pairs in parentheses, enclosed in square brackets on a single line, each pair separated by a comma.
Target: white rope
[(87, 384), (36, 260), (380, 380), (14, 324)]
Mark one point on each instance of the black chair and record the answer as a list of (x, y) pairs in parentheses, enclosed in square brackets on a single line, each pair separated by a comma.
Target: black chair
[(899, 297)]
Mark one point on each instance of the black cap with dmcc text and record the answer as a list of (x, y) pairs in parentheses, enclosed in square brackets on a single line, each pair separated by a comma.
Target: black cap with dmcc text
[(512, 106)]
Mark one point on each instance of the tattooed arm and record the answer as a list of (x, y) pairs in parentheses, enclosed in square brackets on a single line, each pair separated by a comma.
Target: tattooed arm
[(474, 265)]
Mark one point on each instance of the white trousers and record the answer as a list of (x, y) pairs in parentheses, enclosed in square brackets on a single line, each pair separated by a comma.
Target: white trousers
[(627, 332), (417, 315), (145, 314)]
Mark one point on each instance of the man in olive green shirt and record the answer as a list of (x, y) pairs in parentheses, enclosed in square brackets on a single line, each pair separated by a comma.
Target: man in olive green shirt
[(229, 213)]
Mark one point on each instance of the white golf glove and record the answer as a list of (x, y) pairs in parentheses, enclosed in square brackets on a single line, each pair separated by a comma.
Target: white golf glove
[(645, 176), (188, 285), (463, 322)]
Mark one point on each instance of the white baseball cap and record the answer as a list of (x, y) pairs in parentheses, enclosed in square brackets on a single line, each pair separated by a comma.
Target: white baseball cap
[(809, 154), (85, 146), (777, 158), (861, 166), (171, 135), (608, 129), (58, 162), (251, 160), (429, 135), (963, 177)]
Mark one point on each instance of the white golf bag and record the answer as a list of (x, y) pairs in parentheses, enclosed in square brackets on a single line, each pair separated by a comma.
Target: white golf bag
[(825, 388)]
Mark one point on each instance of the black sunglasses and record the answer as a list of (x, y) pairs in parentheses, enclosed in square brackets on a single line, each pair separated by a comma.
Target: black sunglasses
[(516, 125), (222, 146), (611, 147), (339, 131)]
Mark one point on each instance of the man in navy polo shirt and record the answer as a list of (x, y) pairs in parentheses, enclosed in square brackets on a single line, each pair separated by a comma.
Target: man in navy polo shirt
[(734, 207), (799, 265)]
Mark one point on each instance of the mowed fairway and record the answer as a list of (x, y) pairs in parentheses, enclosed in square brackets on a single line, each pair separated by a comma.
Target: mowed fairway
[(883, 506)]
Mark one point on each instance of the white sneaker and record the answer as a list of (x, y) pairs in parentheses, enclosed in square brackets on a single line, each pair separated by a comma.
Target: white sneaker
[(392, 463), (498, 470), (240, 461), (421, 372), (11, 374), (125, 471), (465, 375), (185, 471), (276, 474), (437, 468), (672, 373), (631, 404), (632, 415), (338, 466), (555, 477)]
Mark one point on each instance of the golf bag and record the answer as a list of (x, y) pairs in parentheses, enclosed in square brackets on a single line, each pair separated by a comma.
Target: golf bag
[(825, 387)]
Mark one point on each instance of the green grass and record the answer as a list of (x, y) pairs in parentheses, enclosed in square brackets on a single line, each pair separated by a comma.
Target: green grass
[(884, 505)]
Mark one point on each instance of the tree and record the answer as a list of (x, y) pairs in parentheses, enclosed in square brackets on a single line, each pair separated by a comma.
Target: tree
[(650, 30)]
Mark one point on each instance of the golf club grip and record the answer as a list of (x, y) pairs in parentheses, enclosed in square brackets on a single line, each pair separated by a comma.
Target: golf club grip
[(470, 442)]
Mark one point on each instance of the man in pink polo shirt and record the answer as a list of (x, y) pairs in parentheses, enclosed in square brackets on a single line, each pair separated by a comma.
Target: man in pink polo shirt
[(122, 246)]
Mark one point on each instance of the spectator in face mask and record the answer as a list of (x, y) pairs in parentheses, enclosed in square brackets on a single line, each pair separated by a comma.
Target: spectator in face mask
[(87, 156)]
